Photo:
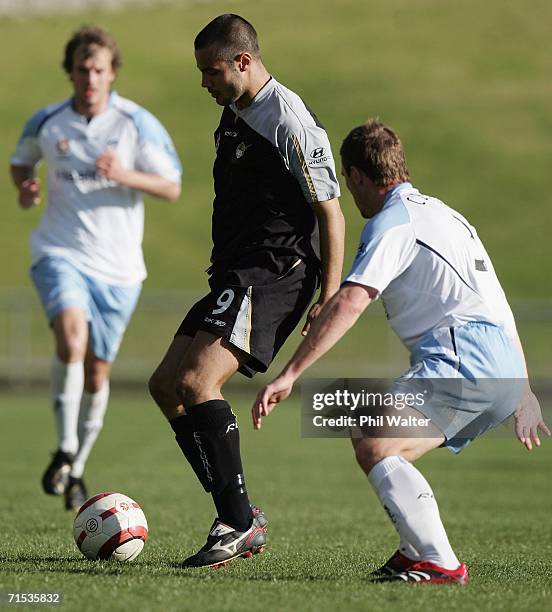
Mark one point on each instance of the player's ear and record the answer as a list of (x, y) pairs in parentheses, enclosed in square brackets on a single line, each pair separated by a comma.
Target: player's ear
[(244, 61), (356, 175)]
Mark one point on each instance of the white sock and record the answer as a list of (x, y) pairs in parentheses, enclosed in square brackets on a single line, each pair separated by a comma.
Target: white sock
[(91, 415), (67, 380), (408, 499), (408, 550), (405, 547)]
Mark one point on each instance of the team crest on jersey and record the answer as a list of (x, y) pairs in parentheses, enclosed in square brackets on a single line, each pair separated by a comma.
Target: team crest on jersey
[(241, 149), (63, 145)]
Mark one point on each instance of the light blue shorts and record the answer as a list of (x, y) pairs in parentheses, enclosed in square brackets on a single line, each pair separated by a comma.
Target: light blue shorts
[(108, 308), (476, 380)]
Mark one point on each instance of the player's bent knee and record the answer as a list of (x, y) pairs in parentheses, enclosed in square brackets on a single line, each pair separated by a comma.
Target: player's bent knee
[(365, 454), (370, 451), (71, 349), (162, 388), (157, 385), (190, 387)]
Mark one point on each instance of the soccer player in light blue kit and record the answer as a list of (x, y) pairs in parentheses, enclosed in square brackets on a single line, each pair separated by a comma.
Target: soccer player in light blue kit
[(103, 152), (444, 301)]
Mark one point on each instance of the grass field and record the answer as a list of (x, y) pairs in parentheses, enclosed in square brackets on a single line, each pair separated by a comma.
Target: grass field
[(327, 531), (468, 86)]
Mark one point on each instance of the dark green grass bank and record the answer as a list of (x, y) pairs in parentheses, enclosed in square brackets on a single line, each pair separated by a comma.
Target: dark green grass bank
[(467, 85)]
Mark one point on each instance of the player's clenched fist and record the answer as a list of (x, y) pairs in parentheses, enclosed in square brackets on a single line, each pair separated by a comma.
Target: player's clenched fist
[(109, 166), (29, 193)]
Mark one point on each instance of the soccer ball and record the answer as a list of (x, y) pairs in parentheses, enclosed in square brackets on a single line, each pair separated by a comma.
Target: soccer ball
[(110, 526)]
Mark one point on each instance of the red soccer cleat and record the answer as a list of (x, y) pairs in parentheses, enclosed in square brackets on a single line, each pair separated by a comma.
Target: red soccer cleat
[(397, 563)]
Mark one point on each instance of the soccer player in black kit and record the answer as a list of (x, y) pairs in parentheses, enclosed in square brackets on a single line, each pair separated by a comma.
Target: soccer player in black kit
[(278, 234)]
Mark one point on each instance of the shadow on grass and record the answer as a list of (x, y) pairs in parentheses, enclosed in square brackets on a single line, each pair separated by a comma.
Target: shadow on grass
[(350, 569), (241, 569), (37, 559)]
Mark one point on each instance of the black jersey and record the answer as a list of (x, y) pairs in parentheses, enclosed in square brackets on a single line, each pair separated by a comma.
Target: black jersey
[(273, 162)]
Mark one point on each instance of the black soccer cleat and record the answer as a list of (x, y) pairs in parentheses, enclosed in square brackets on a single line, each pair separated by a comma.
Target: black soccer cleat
[(397, 563), (225, 544), (428, 572), (56, 476), (75, 493)]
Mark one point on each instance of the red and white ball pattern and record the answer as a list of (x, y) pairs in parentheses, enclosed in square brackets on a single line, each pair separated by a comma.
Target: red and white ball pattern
[(110, 526)]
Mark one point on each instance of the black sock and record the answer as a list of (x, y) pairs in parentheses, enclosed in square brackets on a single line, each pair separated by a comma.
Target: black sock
[(217, 440), (183, 428)]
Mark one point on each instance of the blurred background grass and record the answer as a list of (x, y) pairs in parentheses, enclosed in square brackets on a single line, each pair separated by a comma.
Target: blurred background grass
[(466, 84)]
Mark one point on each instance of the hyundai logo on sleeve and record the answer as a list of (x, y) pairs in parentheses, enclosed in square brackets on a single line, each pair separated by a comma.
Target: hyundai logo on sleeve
[(318, 156)]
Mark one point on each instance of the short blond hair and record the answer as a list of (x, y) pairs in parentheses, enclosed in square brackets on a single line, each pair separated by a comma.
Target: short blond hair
[(375, 149)]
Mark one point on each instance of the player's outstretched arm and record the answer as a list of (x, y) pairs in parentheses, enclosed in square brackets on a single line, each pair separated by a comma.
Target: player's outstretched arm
[(334, 320), (109, 166), (528, 415), (331, 224), (27, 184)]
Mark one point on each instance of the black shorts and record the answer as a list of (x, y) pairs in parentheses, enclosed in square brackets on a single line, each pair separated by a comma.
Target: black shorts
[(255, 318)]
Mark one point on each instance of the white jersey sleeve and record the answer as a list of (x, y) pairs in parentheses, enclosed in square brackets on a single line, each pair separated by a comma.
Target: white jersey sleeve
[(28, 151), (281, 116), (156, 153), (387, 247), (309, 155)]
